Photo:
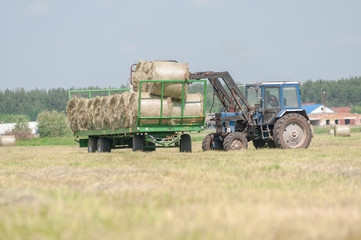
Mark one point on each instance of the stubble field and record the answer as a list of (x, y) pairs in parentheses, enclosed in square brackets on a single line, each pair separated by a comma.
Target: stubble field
[(62, 192)]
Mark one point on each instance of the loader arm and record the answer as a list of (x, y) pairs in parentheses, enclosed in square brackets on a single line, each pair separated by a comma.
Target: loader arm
[(230, 102)]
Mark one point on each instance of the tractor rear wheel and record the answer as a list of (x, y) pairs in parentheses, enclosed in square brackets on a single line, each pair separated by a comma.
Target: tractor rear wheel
[(185, 143), (292, 131), (263, 144), (235, 141)]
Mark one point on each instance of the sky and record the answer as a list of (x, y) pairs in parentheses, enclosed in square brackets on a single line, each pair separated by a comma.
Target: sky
[(80, 43)]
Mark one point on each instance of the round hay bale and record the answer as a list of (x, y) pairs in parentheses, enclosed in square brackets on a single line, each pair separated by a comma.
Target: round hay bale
[(104, 120), (141, 73), (71, 112), (192, 107), (342, 130), (162, 70), (96, 117), (129, 108), (151, 107), (81, 114), (90, 108), (114, 113), (7, 140)]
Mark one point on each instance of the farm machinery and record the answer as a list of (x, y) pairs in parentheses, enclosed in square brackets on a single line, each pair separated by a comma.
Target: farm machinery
[(269, 115)]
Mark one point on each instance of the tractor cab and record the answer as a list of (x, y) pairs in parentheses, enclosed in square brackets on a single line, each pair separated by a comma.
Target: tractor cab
[(271, 100)]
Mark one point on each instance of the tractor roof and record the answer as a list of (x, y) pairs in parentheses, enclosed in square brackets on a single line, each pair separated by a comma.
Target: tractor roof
[(273, 83)]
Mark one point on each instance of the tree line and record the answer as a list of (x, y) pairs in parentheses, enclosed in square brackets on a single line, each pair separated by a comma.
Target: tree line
[(344, 92)]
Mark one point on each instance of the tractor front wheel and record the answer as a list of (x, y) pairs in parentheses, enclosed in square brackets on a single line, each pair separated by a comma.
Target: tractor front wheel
[(235, 141)]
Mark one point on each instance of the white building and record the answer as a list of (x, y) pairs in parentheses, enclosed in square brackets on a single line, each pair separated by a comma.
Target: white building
[(8, 127)]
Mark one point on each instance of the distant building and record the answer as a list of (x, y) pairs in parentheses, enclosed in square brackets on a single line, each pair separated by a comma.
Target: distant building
[(8, 127), (321, 115), (317, 109)]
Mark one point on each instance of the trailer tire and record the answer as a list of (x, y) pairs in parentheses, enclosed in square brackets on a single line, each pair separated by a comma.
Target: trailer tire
[(104, 145), (292, 131), (185, 143), (263, 144), (235, 141), (152, 149), (138, 143), (92, 144)]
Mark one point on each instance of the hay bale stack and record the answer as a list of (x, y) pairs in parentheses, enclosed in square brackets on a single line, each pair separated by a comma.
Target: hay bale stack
[(161, 70), (192, 107)]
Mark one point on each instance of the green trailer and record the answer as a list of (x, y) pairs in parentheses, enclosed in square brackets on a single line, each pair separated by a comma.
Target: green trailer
[(145, 137)]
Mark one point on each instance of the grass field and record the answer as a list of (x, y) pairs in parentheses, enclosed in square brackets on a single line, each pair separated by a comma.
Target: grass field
[(62, 192)]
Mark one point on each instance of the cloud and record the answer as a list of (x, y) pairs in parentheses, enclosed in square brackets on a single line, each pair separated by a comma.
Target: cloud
[(39, 7)]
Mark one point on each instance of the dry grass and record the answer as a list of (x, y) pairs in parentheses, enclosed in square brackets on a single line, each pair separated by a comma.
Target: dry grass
[(62, 192)]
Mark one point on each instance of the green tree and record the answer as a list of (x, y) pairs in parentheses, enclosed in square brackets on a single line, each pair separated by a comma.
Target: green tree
[(53, 124)]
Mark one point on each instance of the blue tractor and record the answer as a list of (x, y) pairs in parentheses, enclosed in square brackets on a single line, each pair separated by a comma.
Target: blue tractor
[(269, 115)]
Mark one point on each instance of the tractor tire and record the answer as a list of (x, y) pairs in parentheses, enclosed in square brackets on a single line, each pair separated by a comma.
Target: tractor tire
[(92, 144), (210, 143), (138, 143), (185, 143), (104, 145), (235, 141), (263, 144), (292, 131)]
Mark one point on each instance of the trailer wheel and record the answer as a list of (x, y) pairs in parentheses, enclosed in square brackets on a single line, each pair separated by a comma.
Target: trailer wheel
[(185, 143), (210, 143), (138, 143), (104, 145), (292, 131), (235, 141), (152, 149), (92, 144), (263, 144)]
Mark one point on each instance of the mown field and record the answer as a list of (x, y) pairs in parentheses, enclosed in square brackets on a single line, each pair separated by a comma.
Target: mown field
[(62, 192)]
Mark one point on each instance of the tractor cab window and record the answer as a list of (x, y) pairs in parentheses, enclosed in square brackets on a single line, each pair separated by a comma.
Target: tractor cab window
[(290, 97), (272, 97), (253, 95)]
